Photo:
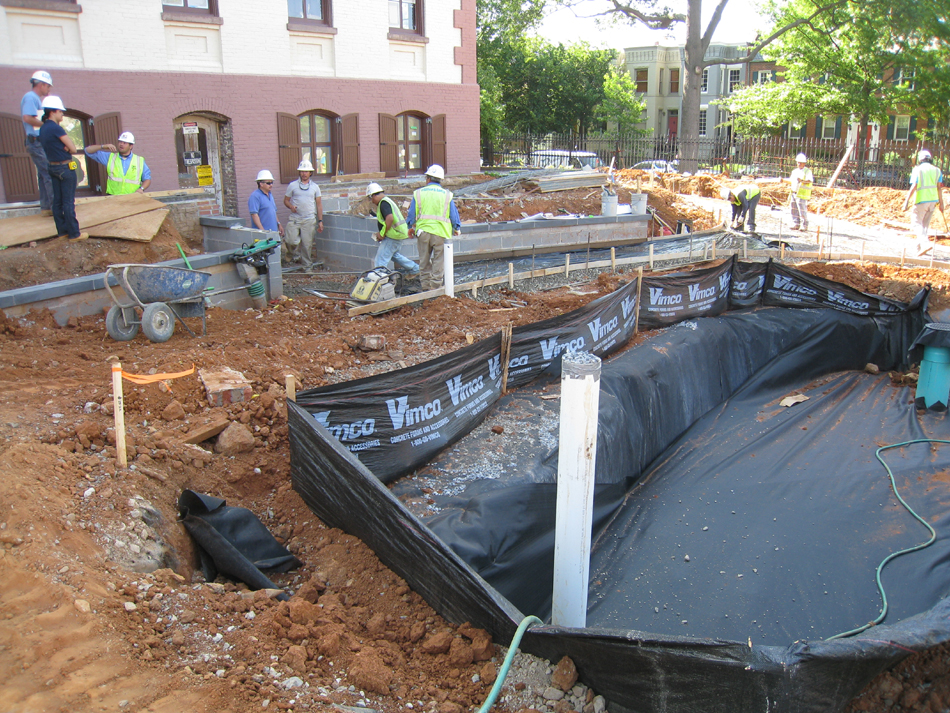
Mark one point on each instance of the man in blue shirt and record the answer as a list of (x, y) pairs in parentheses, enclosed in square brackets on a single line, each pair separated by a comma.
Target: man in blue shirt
[(261, 206), (31, 107), (59, 150), (127, 173)]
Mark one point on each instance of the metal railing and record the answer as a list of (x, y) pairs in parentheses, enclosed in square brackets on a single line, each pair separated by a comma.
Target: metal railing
[(886, 163)]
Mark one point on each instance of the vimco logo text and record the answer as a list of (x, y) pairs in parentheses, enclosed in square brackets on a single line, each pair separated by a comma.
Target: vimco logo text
[(401, 415), (839, 298), (463, 392), (550, 349), (697, 294), (599, 331), (658, 298), (346, 431), (789, 285), (628, 304)]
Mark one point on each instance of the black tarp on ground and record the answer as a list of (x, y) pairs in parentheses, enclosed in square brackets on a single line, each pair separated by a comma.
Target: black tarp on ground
[(664, 386)]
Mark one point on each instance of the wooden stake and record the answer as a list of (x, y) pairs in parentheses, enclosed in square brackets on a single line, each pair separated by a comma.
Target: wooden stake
[(567, 265), (745, 248), (290, 385), (782, 251), (613, 258), (511, 276), (713, 249), (118, 405), (474, 291), (636, 318), (903, 254), (821, 249), (862, 252), (505, 356), (651, 256), (818, 235)]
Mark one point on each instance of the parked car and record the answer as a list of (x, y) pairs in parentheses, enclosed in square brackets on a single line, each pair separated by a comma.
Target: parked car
[(883, 175), (658, 166), (556, 158)]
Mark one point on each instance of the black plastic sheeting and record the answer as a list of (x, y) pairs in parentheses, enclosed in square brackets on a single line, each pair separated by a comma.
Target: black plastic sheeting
[(690, 431), (232, 541)]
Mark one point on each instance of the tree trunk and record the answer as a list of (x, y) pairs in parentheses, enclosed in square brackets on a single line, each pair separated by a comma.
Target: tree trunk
[(695, 52)]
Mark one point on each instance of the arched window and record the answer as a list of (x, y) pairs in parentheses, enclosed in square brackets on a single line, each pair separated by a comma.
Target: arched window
[(328, 141), (410, 142)]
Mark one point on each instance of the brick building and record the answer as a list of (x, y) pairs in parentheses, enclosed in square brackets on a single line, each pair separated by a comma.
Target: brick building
[(215, 90)]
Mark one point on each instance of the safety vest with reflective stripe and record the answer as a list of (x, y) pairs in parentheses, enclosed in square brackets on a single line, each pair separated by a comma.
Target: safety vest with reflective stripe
[(433, 207), (751, 191), (120, 183), (928, 176), (805, 181), (398, 231)]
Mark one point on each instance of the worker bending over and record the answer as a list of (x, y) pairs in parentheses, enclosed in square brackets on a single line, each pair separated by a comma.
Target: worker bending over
[(390, 233), (743, 200), (127, 173)]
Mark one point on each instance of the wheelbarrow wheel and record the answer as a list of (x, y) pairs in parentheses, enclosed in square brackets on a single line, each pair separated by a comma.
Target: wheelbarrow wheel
[(121, 324), (158, 322)]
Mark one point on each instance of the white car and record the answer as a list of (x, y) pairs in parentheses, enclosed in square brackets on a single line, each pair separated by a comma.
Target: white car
[(657, 166), (555, 158)]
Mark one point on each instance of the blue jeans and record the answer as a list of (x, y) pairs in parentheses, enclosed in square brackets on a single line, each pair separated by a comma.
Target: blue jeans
[(35, 149), (389, 250), (64, 200)]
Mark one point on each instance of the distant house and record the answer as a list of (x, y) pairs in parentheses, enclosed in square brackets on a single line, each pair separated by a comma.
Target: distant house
[(215, 91)]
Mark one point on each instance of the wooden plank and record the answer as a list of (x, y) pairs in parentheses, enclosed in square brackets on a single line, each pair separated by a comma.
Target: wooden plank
[(17, 231), (375, 176), (397, 302), (141, 228), (844, 160), (206, 430)]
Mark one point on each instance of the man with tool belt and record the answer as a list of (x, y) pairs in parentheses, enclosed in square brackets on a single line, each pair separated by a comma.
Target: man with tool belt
[(127, 173), (31, 109), (390, 233), (926, 188), (433, 218)]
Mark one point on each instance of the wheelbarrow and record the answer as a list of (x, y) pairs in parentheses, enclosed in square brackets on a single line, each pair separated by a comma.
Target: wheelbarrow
[(164, 294)]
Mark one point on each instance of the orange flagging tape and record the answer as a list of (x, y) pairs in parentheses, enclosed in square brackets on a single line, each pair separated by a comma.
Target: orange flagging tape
[(152, 378)]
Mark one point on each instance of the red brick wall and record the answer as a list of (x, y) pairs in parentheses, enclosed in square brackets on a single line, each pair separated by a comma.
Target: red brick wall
[(149, 103)]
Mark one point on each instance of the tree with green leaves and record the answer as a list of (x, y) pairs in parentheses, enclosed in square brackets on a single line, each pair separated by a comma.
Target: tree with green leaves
[(866, 60), (620, 105)]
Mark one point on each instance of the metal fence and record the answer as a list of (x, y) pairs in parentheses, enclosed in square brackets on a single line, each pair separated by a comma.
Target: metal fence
[(882, 163)]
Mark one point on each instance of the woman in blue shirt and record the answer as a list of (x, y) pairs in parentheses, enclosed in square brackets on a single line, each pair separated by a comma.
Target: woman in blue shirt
[(62, 168)]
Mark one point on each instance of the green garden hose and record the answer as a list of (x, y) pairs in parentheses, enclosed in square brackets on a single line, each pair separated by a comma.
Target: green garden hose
[(512, 649), (894, 555)]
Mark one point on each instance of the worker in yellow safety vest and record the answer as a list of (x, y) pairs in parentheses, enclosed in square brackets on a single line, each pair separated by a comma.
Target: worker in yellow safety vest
[(390, 233), (432, 219), (127, 173), (926, 188), (802, 181), (743, 200)]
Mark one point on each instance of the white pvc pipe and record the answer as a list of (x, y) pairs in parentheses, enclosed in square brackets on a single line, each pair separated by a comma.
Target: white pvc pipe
[(449, 269), (577, 451)]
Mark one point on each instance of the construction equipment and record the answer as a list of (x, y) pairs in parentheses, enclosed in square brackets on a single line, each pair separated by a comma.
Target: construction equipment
[(377, 285), (251, 264)]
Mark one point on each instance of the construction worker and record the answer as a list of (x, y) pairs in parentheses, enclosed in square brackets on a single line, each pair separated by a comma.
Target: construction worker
[(127, 173), (390, 233), (743, 199), (306, 215), (926, 188), (802, 181), (261, 206), (31, 108), (433, 219), (59, 150)]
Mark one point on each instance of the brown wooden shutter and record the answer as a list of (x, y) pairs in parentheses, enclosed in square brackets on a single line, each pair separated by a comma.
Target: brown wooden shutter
[(351, 143), (288, 145), (105, 130), (438, 142), (19, 173), (388, 145)]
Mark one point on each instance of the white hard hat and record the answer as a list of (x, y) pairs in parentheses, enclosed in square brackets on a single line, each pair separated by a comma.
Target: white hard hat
[(801, 158), (373, 188), (436, 171), (724, 192), (305, 165), (53, 102), (922, 154), (42, 76), (127, 137), (264, 175)]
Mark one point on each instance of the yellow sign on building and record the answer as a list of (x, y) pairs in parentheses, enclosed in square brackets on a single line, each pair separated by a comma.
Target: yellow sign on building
[(205, 176)]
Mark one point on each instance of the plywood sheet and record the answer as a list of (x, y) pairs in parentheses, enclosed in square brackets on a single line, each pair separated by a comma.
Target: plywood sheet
[(140, 228), (16, 231)]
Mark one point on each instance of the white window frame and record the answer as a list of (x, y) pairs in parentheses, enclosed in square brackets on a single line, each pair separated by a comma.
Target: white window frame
[(734, 83), (703, 119), (828, 121), (646, 82), (902, 125), (705, 87)]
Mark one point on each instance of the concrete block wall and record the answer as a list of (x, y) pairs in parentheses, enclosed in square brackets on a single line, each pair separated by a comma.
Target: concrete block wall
[(347, 243)]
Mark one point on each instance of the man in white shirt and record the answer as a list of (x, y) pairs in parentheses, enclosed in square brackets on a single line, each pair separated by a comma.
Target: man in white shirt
[(306, 214), (802, 181)]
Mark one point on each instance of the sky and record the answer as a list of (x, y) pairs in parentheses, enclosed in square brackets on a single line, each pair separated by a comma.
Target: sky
[(738, 24)]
